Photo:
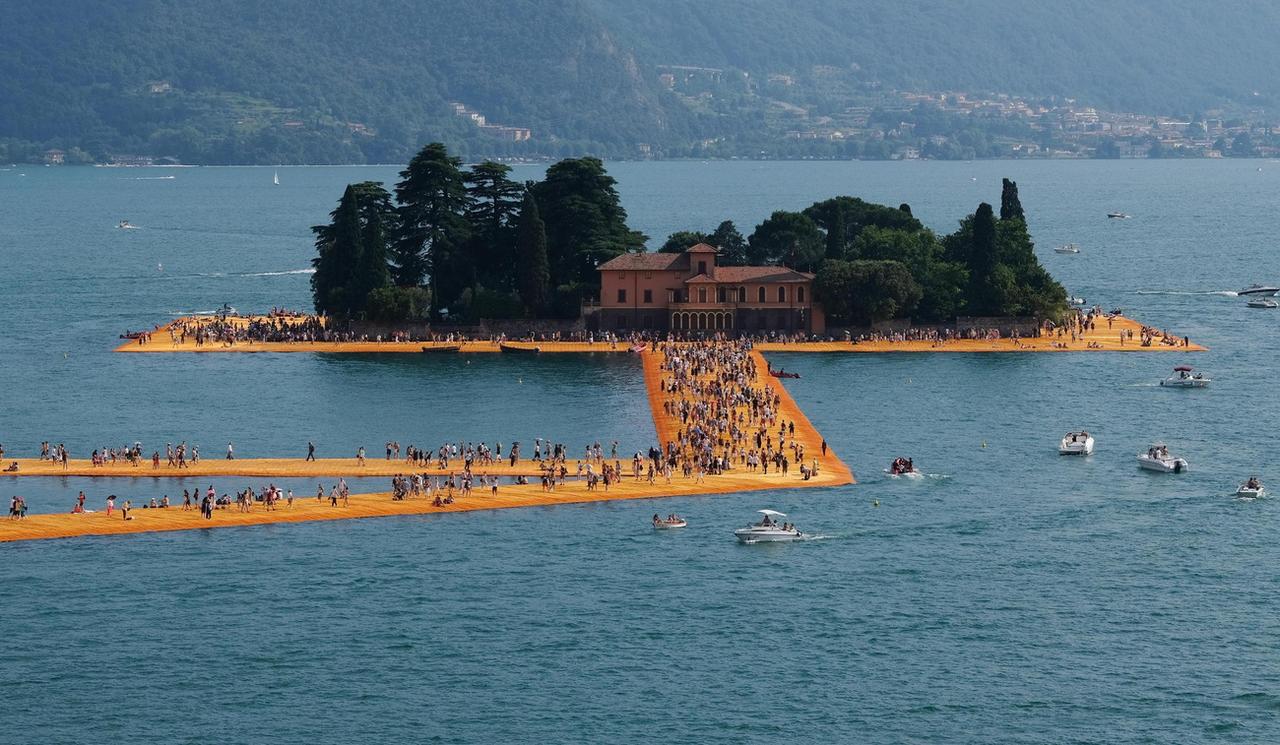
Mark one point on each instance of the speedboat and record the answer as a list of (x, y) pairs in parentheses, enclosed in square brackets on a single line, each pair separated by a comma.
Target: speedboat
[(1262, 302), (1251, 489), (1256, 289), (1118, 215), (124, 224), (670, 523), (1069, 248), (1157, 459), (768, 530), (1076, 443), (1076, 300), (903, 468), (1183, 377)]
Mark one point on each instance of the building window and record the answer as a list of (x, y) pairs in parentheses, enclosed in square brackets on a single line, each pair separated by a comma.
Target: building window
[(622, 296), (720, 294), (782, 294), (702, 294), (799, 294), (702, 267), (648, 296), (760, 294), (742, 294)]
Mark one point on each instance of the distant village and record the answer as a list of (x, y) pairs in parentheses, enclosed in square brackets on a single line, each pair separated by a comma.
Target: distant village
[(1073, 130), (827, 113)]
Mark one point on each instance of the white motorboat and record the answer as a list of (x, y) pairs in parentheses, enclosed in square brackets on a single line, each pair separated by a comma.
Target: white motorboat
[(1076, 300), (768, 530), (1251, 489), (1118, 215), (1255, 289), (1184, 377), (1076, 443), (670, 523), (1262, 302), (1069, 248), (1157, 458)]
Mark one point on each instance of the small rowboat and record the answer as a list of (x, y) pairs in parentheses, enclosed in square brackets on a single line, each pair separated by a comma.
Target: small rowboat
[(638, 348), (133, 335), (781, 374), (443, 348), (670, 525), (505, 347)]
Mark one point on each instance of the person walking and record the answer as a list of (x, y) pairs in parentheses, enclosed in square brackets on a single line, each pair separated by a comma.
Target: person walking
[(311, 451)]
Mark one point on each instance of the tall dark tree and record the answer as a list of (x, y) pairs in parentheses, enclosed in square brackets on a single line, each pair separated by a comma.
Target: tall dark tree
[(338, 249), (836, 241), (733, 247), (532, 266), (984, 279), (433, 230), (585, 222), (1010, 204), (495, 200)]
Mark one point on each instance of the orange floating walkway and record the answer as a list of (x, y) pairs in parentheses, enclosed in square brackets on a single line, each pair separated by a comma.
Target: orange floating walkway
[(1105, 338), (831, 472)]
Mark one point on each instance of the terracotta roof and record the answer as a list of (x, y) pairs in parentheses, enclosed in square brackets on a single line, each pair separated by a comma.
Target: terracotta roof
[(702, 248), (653, 262), (701, 279), (731, 274)]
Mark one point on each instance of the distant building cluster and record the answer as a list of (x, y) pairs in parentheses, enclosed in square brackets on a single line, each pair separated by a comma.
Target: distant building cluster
[(501, 131)]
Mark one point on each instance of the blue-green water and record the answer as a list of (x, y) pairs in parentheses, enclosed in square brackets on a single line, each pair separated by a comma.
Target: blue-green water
[(1016, 596)]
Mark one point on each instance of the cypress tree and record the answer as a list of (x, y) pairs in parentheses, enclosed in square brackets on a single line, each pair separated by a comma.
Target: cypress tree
[(983, 297), (1010, 204), (836, 236), (532, 264)]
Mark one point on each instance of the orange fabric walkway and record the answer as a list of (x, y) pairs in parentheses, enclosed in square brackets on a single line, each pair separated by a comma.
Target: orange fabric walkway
[(831, 472)]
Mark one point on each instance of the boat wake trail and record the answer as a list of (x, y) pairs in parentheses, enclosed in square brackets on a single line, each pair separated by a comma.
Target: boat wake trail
[(1221, 293), (276, 274)]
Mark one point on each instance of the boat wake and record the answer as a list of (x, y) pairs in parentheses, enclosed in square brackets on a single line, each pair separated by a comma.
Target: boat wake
[(276, 274), (149, 178), (1221, 293)]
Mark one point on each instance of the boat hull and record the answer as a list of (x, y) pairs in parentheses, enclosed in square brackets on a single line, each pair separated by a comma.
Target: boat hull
[(442, 350), (751, 535), (1163, 465), (664, 525), (1187, 383), (1076, 448), (1245, 493)]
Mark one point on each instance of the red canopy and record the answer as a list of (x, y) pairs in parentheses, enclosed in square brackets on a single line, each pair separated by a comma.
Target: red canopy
[(1182, 368)]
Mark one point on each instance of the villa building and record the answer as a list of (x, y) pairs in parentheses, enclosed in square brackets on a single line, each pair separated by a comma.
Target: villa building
[(687, 292)]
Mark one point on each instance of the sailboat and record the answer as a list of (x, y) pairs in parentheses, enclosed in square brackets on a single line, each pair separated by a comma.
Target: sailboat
[(275, 178)]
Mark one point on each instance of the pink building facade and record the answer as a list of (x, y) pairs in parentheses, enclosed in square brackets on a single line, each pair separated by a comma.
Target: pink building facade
[(688, 292)]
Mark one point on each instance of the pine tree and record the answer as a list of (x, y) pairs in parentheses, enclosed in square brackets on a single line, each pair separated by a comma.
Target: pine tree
[(532, 264), (338, 247), (733, 247), (433, 200), (494, 201)]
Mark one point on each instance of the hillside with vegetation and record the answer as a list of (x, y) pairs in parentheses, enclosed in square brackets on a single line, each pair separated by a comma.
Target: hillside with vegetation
[(321, 81)]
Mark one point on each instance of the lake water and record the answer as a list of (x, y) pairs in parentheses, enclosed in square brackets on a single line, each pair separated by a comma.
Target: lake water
[(1013, 596)]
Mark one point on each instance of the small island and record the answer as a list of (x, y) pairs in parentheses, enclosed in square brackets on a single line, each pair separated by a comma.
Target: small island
[(465, 259)]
